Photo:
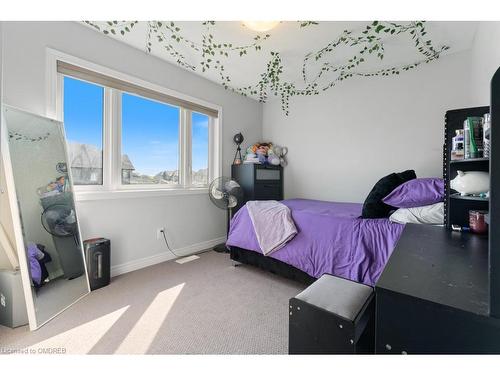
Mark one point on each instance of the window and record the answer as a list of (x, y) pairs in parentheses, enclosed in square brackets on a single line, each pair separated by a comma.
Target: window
[(83, 125), (127, 134), (150, 141), (199, 147)]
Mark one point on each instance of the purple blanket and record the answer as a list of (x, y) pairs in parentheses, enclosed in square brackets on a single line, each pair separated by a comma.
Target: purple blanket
[(332, 238)]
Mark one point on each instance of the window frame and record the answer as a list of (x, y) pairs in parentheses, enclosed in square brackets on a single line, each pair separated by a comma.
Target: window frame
[(112, 186), (106, 135)]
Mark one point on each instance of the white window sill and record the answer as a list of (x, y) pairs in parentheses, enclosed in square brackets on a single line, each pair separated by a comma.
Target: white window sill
[(81, 196)]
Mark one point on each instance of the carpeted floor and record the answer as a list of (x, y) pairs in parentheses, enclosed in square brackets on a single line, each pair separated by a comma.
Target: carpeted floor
[(206, 306)]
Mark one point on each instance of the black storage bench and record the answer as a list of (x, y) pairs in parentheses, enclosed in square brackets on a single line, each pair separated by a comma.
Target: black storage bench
[(332, 316)]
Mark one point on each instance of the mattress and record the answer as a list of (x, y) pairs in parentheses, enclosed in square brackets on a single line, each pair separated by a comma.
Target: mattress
[(332, 238)]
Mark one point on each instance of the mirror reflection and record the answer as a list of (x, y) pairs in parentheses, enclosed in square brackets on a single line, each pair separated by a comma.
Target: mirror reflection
[(51, 235)]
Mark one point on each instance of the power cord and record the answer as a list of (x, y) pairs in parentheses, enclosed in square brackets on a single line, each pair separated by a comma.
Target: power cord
[(168, 246)]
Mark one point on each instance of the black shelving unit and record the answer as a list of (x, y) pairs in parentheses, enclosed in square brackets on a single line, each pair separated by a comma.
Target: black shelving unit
[(469, 160), (494, 235), (457, 207), (468, 197), (440, 290)]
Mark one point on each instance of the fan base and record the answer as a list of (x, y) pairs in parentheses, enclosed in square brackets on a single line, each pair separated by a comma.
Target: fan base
[(221, 248)]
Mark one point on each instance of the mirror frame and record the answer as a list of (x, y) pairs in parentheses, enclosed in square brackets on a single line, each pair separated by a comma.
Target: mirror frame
[(16, 218)]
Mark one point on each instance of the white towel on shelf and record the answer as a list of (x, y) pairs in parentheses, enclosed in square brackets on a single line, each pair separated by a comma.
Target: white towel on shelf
[(273, 224)]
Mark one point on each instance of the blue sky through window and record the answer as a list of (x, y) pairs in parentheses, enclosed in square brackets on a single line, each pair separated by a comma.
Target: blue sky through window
[(150, 130), (83, 112), (199, 126), (150, 134)]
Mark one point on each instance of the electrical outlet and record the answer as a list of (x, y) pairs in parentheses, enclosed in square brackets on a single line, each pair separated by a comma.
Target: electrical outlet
[(159, 234)]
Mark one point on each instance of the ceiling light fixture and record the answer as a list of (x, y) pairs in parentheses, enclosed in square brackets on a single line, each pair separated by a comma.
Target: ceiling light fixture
[(261, 26)]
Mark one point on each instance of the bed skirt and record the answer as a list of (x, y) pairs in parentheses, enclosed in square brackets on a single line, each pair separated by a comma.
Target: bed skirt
[(270, 264)]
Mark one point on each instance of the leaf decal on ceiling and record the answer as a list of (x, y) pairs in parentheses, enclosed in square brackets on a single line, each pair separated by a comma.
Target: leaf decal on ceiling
[(366, 43)]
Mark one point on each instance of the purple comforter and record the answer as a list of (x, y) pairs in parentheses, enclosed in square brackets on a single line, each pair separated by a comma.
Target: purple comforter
[(332, 238)]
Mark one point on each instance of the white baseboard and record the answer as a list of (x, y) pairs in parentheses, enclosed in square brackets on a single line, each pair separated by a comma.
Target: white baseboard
[(133, 265)]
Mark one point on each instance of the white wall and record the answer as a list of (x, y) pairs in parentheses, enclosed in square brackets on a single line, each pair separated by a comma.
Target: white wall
[(341, 142), (485, 61), (191, 220)]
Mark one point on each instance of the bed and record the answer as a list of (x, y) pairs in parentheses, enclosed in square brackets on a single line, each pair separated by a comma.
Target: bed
[(332, 238)]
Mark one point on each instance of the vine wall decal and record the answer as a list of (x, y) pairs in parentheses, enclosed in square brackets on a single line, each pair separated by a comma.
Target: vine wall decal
[(367, 42)]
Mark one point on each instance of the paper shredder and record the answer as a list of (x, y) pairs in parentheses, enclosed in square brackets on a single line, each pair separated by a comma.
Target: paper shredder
[(98, 260)]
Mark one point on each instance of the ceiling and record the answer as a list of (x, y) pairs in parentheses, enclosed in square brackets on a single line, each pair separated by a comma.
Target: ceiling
[(293, 41)]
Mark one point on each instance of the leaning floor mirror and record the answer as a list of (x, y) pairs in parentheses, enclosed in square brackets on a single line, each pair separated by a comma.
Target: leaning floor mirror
[(46, 228)]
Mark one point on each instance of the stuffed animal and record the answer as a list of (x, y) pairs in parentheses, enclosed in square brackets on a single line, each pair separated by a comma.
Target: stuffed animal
[(281, 153), (265, 153), (471, 182), (262, 148), (272, 158), (258, 152), (262, 158)]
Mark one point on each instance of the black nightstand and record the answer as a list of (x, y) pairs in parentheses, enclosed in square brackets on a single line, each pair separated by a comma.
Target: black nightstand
[(259, 182)]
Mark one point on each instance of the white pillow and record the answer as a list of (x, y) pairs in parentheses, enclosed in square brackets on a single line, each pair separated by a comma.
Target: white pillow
[(431, 214)]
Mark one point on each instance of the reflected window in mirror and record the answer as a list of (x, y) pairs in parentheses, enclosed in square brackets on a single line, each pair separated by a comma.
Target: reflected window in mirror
[(83, 124)]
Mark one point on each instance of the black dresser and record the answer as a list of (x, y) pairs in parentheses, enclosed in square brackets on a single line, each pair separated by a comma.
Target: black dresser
[(259, 182), (432, 297)]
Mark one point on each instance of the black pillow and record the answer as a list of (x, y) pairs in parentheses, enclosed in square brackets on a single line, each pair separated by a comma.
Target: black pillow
[(373, 207)]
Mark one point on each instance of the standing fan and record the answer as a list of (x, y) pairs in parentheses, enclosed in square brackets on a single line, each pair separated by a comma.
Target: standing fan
[(225, 193), (59, 220)]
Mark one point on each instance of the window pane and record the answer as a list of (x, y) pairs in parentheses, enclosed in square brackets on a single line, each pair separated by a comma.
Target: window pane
[(150, 141), (199, 172), (83, 124)]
